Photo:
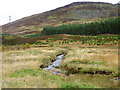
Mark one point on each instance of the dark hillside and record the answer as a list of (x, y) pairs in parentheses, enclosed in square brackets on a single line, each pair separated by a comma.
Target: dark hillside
[(77, 12)]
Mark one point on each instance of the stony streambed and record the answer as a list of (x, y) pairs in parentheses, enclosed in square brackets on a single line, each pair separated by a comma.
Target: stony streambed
[(53, 66)]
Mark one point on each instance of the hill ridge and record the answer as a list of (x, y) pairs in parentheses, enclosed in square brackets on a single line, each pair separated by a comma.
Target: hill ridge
[(71, 13)]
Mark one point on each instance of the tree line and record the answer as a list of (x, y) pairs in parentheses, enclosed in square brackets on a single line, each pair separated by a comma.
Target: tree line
[(110, 26)]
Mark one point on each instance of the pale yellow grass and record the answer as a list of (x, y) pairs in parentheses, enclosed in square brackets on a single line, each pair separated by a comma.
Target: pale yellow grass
[(32, 58), (25, 82), (109, 58), (8, 68), (79, 54), (24, 59)]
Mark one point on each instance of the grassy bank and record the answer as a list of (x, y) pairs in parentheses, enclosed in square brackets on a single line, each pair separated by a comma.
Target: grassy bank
[(21, 67), (84, 65), (95, 66)]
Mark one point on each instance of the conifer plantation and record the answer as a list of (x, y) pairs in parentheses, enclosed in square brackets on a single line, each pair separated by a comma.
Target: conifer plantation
[(110, 26)]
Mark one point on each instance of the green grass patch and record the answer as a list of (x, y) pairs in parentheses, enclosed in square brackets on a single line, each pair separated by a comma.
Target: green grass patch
[(26, 72), (75, 85)]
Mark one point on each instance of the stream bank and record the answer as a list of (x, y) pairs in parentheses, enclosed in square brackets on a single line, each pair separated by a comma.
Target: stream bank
[(53, 67)]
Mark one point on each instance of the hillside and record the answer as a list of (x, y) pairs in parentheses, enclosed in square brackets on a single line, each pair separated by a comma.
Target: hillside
[(110, 26), (77, 12)]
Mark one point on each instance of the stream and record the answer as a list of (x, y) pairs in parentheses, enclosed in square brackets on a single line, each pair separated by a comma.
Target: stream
[(52, 68), (54, 64)]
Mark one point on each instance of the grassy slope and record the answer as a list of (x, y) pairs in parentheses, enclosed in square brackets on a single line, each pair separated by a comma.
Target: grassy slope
[(72, 13), (21, 67)]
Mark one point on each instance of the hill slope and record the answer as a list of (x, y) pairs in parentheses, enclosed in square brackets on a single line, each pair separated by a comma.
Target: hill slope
[(77, 12)]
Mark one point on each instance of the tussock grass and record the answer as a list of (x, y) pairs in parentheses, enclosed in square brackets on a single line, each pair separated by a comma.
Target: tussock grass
[(21, 68), (15, 47), (23, 64), (91, 62)]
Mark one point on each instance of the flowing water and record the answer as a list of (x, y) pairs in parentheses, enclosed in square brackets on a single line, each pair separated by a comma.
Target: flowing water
[(54, 64)]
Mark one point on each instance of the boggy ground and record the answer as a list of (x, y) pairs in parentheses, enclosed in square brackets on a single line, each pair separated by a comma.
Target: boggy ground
[(89, 62), (82, 67)]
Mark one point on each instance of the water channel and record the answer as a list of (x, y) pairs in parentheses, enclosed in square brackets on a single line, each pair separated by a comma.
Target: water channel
[(54, 64)]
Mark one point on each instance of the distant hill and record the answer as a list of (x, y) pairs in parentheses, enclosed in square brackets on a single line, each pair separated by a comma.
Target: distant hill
[(77, 12)]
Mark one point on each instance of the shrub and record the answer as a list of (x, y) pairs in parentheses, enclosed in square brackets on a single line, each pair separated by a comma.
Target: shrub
[(26, 45)]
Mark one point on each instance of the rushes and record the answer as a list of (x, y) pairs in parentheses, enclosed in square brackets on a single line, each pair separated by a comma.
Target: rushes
[(15, 47), (84, 60), (82, 67)]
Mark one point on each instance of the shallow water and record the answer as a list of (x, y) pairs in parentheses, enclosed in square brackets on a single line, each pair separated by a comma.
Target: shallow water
[(54, 64)]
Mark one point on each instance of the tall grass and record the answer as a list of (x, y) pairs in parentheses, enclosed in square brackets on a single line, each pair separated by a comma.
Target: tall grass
[(21, 68), (15, 47)]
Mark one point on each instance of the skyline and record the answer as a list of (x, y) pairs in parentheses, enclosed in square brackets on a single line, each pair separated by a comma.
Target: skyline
[(18, 9)]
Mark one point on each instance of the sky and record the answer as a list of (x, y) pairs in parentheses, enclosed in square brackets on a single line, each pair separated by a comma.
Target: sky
[(18, 9)]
